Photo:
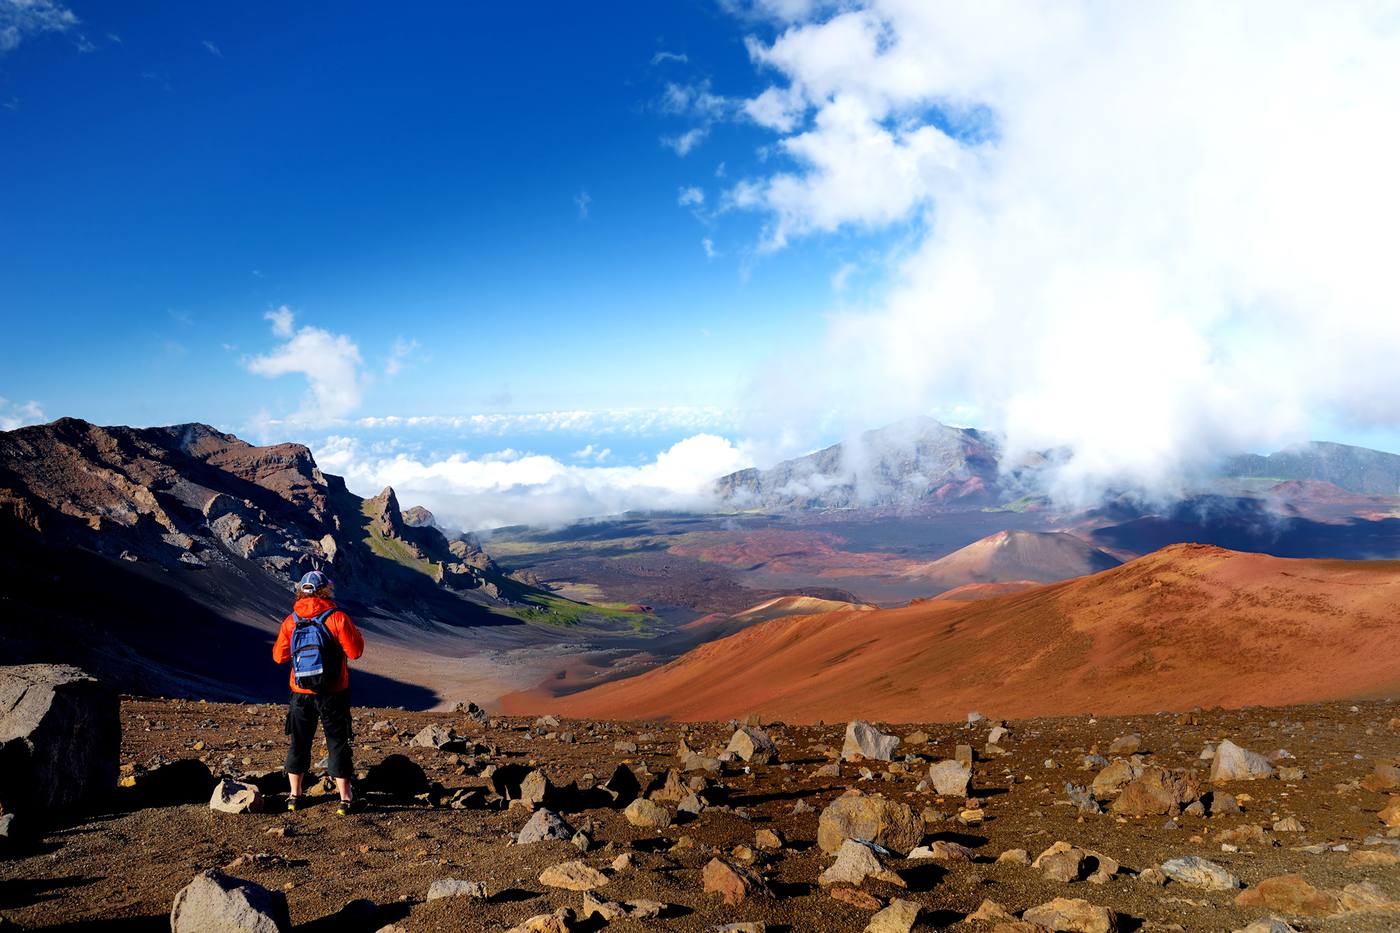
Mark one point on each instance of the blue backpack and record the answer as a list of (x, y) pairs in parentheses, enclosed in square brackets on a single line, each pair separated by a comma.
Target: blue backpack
[(316, 655)]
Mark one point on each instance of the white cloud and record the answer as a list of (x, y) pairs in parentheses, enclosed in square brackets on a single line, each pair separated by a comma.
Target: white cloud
[(593, 452), (400, 352), (841, 278), (684, 142), (664, 56), (708, 245), (212, 49), (690, 197), (520, 488), (582, 200), (282, 319), (24, 19), (1156, 233), (601, 422), (18, 414), (330, 363)]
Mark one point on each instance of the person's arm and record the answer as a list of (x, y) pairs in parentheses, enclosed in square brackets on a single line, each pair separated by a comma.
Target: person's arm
[(348, 635), (282, 647)]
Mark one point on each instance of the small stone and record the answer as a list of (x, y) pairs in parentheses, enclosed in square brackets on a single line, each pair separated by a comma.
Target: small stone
[(644, 814), (950, 778), (573, 876), (753, 745), (455, 887), (1125, 745), (899, 917), (989, 911), (768, 839), (855, 862), (544, 824), (1288, 825), (1014, 857), (731, 883), (1073, 915), (1289, 894), (1197, 872), (232, 796), (1233, 763)]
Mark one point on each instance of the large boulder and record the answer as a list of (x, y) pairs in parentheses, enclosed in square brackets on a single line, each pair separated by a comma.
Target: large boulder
[(753, 745), (232, 796), (876, 819), (60, 740), (950, 778), (865, 741), (1157, 791), (216, 903), (1233, 763)]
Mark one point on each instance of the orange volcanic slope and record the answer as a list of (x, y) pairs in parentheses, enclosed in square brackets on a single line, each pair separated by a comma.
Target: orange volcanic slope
[(1007, 556), (1188, 625)]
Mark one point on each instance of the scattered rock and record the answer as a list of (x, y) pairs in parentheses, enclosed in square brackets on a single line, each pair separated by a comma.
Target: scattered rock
[(1390, 816), (1156, 791), (215, 901), (887, 823), (1125, 745), (232, 796), (865, 741), (731, 882), (950, 778), (1116, 775), (432, 737), (1073, 915), (1233, 763), (454, 887), (1289, 894), (644, 814), (544, 824), (753, 745), (573, 876), (1014, 857), (1197, 872), (855, 862), (561, 921), (899, 917), (1268, 925)]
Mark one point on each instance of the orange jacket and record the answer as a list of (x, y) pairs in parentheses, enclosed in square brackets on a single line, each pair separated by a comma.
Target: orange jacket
[(337, 623)]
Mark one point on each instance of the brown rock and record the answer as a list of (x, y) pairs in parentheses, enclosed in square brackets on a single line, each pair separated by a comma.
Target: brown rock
[(877, 819), (1390, 816), (1289, 894), (1156, 791), (1073, 915), (647, 815), (573, 876), (731, 882), (899, 917), (991, 912)]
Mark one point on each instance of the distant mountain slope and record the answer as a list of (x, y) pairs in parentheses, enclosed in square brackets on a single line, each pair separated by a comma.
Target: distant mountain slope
[(1189, 625), (919, 462), (1355, 469), (1007, 556), (162, 558)]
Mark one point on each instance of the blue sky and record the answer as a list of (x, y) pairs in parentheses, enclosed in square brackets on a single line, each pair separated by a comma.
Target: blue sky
[(605, 253), (495, 188)]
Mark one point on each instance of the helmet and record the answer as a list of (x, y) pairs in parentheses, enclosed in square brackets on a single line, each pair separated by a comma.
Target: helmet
[(313, 581)]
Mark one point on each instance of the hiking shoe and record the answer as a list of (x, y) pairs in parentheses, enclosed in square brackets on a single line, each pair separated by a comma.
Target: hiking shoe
[(346, 807), (293, 802)]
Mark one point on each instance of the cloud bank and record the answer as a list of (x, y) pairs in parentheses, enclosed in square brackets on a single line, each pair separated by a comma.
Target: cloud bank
[(1156, 234), (510, 487), (18, 414)]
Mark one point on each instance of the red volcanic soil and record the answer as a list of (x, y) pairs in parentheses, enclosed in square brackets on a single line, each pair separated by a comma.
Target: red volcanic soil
[(969, 592), (1007, 556), (1190, 625)]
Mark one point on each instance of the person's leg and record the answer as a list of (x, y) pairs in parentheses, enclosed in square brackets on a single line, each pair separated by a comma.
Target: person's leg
[(301, 728), (335, 719)]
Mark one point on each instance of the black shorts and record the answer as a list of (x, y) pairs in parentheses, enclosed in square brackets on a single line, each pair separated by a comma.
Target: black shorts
[(332, 711)]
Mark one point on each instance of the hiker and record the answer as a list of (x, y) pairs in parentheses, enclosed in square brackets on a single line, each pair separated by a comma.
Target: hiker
[(319, 640)]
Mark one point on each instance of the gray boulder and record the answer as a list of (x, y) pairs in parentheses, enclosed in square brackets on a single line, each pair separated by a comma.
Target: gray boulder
[(950, 778), (544, 824), (1233, 763), (753, 745), (217, 903), (232, 796), (865, 741), (60, 739)]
